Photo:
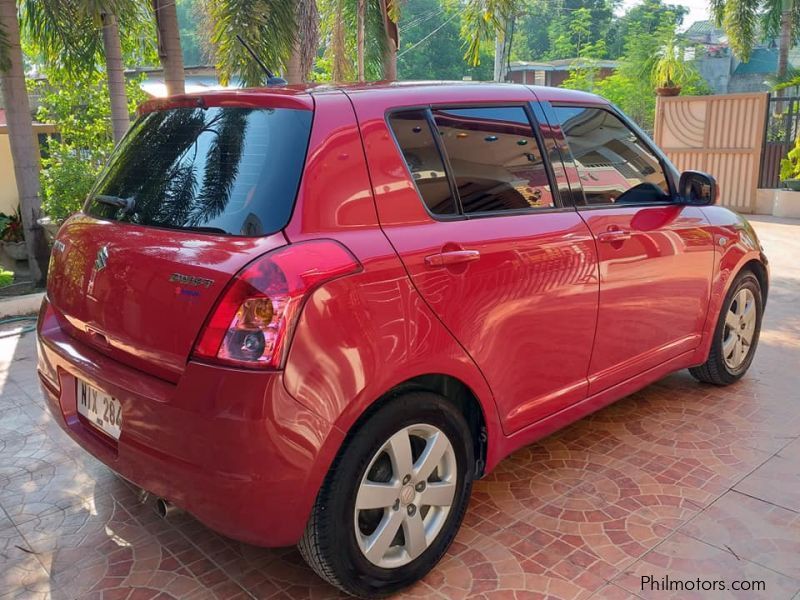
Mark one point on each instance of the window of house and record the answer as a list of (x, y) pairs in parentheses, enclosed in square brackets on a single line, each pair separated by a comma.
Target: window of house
[(613, 163)]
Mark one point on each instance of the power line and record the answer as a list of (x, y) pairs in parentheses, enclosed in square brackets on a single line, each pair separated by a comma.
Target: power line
[(410, 48)]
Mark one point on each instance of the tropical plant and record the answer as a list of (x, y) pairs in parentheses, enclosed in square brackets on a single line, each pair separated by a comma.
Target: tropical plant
[(746, 21), (670, 70), (790, 166), (24, 150), (84, 36), (280, 32), (80, 111), (11, 229)]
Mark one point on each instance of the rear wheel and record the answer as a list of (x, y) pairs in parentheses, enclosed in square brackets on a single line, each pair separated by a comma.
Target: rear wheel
[(736, 335), (394, 498)]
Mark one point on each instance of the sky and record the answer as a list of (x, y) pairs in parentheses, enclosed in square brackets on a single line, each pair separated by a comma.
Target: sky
[(698, 9)]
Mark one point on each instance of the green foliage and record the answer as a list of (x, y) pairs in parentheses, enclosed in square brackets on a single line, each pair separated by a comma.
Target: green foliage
[(190, 23), (6, 278), (790, 166), (671, 69), (269, 28), (11, 229), (81, 112), (67, 34), (646, 17), (5, 60), (440, 55), (630, 87)]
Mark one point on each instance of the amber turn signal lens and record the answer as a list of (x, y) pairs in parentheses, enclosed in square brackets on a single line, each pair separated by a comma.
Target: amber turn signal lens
[(256, 312)]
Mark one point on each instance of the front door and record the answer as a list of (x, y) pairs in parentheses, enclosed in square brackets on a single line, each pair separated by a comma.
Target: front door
[(508, 270), (656, 256)]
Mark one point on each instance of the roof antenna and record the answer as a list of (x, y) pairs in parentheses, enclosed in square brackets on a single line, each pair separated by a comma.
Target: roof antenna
[(271, 79)]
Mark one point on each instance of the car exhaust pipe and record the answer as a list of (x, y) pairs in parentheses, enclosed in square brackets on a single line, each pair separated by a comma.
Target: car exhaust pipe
[(166, 509)]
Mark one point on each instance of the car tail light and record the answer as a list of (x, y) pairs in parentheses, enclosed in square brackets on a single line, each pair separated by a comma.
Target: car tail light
[(252, 322)]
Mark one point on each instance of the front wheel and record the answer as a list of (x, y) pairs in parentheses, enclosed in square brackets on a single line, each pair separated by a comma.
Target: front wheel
[(393, 499), (736, 334)]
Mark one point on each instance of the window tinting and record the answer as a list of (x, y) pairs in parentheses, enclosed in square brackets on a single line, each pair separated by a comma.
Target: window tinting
[(423, 159), (223, 170), (495, 159), (613, 164)]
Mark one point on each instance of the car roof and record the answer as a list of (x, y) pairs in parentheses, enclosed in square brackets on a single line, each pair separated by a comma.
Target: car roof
[(412, 92)]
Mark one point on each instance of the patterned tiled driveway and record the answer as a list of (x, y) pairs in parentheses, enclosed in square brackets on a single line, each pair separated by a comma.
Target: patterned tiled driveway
[(680, 479)]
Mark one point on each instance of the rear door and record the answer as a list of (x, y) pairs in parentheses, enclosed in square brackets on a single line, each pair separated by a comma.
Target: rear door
[(656, 255), (190, 196), (466, 197)]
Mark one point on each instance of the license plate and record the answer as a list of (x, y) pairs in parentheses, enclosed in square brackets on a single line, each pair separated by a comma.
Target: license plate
[(100, 409)]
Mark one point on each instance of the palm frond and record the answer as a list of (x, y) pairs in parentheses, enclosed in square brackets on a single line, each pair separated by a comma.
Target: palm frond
[(482, 20), (740, 21), (268, 26)]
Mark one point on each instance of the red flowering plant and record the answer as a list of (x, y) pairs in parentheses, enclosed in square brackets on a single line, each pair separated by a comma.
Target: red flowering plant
[(11, 227)]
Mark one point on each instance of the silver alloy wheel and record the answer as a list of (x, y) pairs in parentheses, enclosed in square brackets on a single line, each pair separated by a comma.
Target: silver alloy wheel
[(405, 495), (740, 326)]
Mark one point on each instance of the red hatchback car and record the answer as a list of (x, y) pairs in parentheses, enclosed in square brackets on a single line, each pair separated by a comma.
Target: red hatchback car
[(313, 316)]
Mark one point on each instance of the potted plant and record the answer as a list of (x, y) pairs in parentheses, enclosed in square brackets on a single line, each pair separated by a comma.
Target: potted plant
[(790, 168), (669, 70), (12, 237)]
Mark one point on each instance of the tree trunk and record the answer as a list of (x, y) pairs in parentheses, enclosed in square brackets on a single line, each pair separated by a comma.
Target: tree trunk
[(294, 69), (169, 46), (392, 43), (24, 146), (785, 42), (120, 117), (341, 66), (362, 9)]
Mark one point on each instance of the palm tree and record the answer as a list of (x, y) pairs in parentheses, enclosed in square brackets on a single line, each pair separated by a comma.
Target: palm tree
[(169, 45), (375, 41), (66, 33), (484, 20), (283, 33), (742, 19), (24, 146)]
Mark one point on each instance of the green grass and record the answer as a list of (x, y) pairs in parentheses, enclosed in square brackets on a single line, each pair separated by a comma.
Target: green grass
[(6, 278)]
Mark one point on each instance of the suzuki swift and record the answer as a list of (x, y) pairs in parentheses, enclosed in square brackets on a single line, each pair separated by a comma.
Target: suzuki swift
[(314, 316)]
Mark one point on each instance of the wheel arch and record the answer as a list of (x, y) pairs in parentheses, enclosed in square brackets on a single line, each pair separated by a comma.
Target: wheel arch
[(758, 268), (454, 391)]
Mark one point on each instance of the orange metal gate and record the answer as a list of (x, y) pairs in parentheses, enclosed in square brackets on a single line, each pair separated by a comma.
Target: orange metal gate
[(721, 135)]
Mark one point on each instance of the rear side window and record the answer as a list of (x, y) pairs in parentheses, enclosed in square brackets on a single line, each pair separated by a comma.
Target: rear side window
[(495, 159), (423, 159), (613, 163), (223, 170)]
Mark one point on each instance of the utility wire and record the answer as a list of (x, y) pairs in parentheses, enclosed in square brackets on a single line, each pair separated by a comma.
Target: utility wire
[(453, 16)]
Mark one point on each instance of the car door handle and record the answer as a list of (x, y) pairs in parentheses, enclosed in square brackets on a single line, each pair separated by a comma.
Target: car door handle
[(617, 235), (451, 257)]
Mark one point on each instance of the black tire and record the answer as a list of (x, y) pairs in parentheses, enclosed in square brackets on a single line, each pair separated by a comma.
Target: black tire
[(715, 370), (329, 544)]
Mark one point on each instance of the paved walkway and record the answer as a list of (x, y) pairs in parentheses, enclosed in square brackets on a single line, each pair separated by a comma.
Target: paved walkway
[(680, 480)]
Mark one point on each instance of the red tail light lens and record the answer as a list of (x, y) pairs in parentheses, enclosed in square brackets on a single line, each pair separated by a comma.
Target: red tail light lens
[(251, 323)]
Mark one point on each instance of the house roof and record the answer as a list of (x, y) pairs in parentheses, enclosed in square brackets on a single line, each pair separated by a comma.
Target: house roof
[(563, 64), (762, 60)]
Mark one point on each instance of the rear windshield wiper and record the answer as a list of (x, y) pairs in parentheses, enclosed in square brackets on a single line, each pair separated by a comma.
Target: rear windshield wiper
[(205, 230), (126, 204)]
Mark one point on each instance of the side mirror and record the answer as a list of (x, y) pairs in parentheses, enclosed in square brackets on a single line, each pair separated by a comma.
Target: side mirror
[(698, 189)]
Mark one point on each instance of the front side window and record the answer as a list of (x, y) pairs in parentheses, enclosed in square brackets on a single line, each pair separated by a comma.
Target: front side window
[(614, 165), (495, 159)]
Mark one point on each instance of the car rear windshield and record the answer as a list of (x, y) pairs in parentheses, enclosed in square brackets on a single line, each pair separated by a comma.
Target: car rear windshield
[(222, 170)]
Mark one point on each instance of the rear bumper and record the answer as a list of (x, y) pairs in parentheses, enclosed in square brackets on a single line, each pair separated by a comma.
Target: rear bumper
[(231, 447)]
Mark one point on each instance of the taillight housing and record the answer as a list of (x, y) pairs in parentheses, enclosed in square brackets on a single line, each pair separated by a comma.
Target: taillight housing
[(253, 320)]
